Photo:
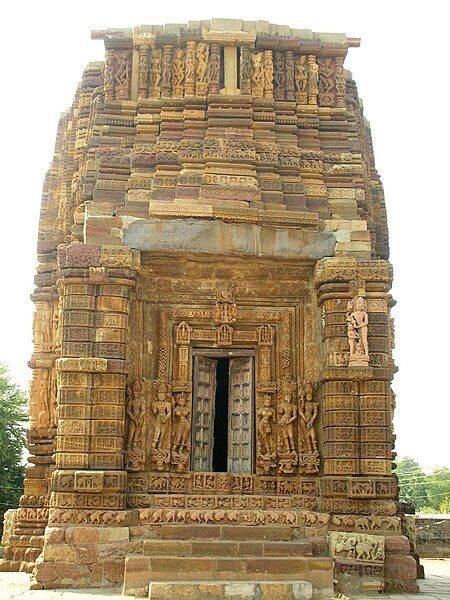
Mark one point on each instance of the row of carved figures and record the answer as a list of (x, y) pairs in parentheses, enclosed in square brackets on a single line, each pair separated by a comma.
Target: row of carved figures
[(288, 416), (172, 429), (194, 70)]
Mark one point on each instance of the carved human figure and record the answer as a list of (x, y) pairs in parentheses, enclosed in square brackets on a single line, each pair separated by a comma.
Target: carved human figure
[(313, 77), (351, 331), (279, 78), (47, 326), (182, 423), (214, 68), (178, 72), (202, 62), (287, 414), (266, 416), (308, 411), (43, 419), (257, 77), (143, 71), (155, 71), (326, 72), (268, 74), (136, 414), (357, 327), (301, 75), (122, 70), (190, 67), (53, 399), (289, 74), (162, 409), (245, 70)]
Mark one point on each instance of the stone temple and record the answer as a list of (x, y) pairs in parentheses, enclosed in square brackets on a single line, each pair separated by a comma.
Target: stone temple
[(210, 407)]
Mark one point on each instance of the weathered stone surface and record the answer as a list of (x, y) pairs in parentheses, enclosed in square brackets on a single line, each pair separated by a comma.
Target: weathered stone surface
[(216, 237)]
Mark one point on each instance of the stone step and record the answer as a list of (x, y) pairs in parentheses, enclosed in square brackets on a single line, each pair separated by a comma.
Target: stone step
[(207, 547), (230, 590), (140, 570), (176, 531)]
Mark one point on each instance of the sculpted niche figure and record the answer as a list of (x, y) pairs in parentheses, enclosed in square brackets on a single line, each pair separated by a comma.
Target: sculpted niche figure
[(257, 78), (357, 331), (287, 414), (136, 414), (162, 409), (43, 419), (182, 415), (155, 72), (266, 416), (308, 411), (326, 73), (301, 75)]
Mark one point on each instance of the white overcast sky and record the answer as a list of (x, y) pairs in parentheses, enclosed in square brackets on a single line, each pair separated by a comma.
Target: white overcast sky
[(402, 73)]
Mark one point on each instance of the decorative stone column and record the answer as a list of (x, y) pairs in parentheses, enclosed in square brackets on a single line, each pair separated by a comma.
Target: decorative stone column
[(87, 532), (356, 409)]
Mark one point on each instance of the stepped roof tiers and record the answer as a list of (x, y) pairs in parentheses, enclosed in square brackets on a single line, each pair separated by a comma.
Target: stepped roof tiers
[(211, 396)]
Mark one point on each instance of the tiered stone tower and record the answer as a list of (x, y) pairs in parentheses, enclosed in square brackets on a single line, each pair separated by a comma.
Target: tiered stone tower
[(211, 392)]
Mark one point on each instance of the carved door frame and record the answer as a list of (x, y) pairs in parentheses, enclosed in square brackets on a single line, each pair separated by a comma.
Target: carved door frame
[(269, 332)]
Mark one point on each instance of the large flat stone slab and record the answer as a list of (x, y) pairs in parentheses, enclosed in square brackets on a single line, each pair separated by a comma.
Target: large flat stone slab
[(230, 590), (218, 237)]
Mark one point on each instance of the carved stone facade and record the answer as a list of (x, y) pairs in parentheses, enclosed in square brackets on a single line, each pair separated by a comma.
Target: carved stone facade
[(212, 340)]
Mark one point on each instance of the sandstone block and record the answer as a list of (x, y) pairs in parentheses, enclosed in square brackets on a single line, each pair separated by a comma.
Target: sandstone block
[(82, 535), (188, 532), (237, 532), (86, 554), (400, 567), (166, 547), (397, 544), (113, 570), (54, 535), (113, 534), (60, 552)]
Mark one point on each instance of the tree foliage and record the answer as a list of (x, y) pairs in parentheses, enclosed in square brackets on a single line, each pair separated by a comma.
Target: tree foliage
[(12, 441), (411, 481), (438, 489), (428, 492)]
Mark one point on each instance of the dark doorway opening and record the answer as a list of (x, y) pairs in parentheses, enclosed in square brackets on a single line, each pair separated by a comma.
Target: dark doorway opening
[(220, 450)]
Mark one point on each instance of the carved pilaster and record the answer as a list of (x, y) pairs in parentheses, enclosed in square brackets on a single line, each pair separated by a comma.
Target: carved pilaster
[(339, 75), (268, 74), (245, 70), (279, 77), (313, 79), (357, 416), (92, 383)]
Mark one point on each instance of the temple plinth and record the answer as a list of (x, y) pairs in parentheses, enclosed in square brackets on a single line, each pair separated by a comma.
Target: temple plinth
[(211, 395)]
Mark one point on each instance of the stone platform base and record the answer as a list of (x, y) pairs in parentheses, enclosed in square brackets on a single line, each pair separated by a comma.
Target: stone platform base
[(227, 561), (230, 590)]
